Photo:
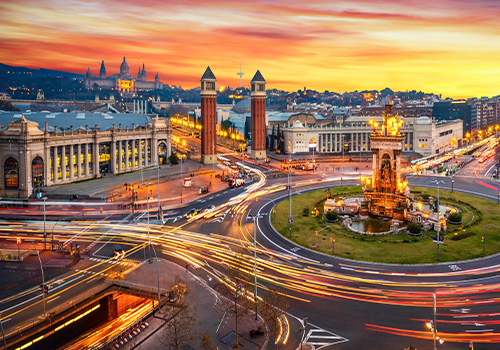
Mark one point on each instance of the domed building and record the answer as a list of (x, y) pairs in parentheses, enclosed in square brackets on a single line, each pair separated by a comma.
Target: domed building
[(123, 81)]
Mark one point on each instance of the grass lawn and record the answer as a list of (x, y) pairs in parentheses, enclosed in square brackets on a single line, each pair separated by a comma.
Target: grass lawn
[(396, 249)]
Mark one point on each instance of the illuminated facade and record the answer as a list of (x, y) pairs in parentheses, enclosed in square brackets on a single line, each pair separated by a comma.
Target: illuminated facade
[(76, 146), (123, 81)]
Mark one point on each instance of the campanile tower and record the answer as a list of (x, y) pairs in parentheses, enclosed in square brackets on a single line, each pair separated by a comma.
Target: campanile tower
[(258, 116), (208, 117)]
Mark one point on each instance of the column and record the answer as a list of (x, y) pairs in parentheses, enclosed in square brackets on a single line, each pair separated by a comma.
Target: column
[(336, 142), (86, 150), (126, 155), (79, 161), (71, 162), (63, 163), (140, 153), (407, 141), (96, 159), (120, 156), (374, 170), (146, 144), (113, 156), (319, 143), (54, 162), (133, 153)]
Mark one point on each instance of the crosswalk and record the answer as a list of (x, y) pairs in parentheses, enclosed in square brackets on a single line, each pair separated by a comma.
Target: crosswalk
[(321, 338), (125, 262)]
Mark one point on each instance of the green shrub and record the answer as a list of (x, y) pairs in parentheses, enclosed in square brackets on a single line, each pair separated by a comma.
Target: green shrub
[(425, 196), (331, 216), (455, 217), (462, 236), (414, 227)]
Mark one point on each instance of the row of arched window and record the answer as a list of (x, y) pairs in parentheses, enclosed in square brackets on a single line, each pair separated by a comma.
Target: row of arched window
[(11, 172)]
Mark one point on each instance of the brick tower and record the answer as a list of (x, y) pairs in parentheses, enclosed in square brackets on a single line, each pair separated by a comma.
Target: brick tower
[(258, 116), (208, 117)]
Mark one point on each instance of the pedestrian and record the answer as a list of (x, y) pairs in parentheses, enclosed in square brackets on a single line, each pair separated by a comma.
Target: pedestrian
[(187, 267)]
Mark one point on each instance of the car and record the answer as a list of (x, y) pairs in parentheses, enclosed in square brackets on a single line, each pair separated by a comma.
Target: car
[(210, 208), (193, 212)]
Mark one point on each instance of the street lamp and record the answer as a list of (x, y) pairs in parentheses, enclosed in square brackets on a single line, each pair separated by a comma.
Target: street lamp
[(44, 232), (182, 184), (484, 236), (160, 217), (432, 325), (147, 214), (255, 218), (158, 275), (290, 218), (452, 181), (43, 278), (438, 182)]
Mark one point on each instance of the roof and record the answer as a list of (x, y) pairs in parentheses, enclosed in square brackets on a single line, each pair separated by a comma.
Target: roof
[(64, 121), (208, 74), (258, 77)]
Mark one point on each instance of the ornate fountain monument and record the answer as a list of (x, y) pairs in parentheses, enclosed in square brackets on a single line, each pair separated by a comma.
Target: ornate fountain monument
[(386, 194)]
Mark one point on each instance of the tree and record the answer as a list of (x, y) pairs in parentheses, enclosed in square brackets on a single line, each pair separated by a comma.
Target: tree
[(235, 302), (174, 158), (273, 140), (206, 341), (274, 306), (180, 330)]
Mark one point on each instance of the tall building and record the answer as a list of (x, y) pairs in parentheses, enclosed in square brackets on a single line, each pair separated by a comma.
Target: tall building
[(258, 116), (452, 110), (208, 95), (484, 113), (123, 81)]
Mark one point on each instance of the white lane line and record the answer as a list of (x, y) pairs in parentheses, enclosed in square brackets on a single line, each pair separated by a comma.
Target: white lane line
[(91, 280), (6, 320), (52, 299), (347, 268), (479, 330)]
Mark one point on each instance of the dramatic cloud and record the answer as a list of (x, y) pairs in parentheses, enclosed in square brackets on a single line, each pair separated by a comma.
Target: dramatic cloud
[(444, 46)]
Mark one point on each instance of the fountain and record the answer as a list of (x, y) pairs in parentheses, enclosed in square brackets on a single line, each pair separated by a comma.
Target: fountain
[(386, 194)]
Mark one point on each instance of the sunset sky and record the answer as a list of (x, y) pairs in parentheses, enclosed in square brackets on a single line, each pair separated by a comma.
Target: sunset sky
[(450, 47)]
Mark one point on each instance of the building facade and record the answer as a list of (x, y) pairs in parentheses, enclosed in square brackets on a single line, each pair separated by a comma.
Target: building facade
[(452, 110), (421, 135), (68, 150), (123, 81)]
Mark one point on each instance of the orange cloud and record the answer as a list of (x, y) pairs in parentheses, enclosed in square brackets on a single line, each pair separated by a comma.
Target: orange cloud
[(446, 46)]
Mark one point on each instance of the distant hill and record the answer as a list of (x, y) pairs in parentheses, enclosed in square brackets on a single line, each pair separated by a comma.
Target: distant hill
[(42, 72)]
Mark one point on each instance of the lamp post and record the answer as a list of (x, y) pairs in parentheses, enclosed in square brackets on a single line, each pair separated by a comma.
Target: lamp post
[(255, 218), (484, 236), (158, 275), (147, 214), (452, 181), (52, 234), (160, 217), (438, 182), (3, 336), (43, 278), (290, 219), (182, 179), (44, 231)]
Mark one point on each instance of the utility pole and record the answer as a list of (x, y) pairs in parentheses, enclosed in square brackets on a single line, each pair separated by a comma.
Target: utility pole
[(290, 218)]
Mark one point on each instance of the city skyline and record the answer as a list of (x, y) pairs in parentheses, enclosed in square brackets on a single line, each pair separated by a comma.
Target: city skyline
[(445, 47)]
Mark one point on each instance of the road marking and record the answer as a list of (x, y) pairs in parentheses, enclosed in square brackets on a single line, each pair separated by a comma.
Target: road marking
[(7, 320), (52, 299), (321, 338), (91, 280), (479, 330), (347, 268), (224, 192)]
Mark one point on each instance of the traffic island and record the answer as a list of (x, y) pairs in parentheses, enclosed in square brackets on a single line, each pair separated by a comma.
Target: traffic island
[(313, 232)]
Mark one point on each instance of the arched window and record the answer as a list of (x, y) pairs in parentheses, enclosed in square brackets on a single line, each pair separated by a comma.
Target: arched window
[(37, 172), (162, 153), (11, 168)]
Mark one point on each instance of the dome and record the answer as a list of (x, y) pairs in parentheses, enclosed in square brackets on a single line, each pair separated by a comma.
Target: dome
[(124, 69), (424, 120), (297, 124)]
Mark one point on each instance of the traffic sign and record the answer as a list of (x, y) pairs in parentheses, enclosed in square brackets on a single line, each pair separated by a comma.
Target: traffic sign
[(18, 240), (290, 219)]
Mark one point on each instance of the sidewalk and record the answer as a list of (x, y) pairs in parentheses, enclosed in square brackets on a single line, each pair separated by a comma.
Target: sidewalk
[(207, 316)]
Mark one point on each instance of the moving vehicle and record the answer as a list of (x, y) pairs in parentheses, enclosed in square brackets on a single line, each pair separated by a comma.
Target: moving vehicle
[(236, 183), (192, 213)]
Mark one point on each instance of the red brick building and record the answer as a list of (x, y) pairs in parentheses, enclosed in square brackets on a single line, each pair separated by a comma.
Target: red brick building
[(208, 117), (258, 116)]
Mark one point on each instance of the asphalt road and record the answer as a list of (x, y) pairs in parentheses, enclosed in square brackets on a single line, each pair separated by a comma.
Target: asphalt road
[(349, 304)]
